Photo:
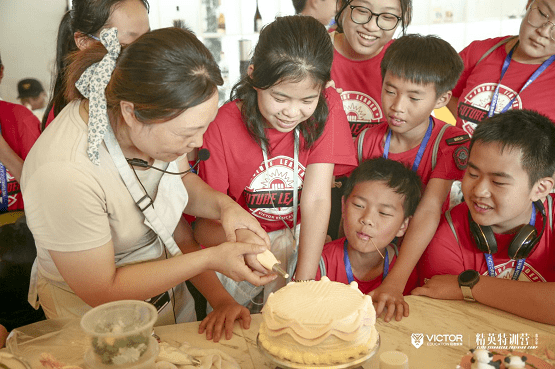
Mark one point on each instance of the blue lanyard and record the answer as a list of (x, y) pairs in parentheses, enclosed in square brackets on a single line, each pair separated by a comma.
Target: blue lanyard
[(421, 149), (532, 78), (3, 187), (520, 262), (349, 269)]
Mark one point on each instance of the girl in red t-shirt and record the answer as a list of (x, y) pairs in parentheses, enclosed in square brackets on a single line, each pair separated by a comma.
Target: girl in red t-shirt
[(281, 134)]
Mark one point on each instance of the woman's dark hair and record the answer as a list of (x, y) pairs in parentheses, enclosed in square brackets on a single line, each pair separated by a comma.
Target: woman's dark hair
[(163, 73), (406, 14), (87, 17), (289, 49)]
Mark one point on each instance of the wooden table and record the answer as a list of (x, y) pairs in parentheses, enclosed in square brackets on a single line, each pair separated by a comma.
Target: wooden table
[(456, 322), (460, 321)]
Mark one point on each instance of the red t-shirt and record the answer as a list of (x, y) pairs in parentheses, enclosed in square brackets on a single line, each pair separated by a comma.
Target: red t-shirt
[(361, 82), (334, 260), (477, 83), (236, 166), (452, 154), (20, 129), (444, 255)]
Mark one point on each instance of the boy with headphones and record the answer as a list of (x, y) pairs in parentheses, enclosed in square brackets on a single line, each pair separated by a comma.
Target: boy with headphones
[(502, 235)]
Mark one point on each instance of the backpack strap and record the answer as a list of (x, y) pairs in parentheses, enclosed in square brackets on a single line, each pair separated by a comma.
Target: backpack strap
[(360, 144), (494, 47), (436, 145), (392, 250), (451, 225), (550, 210)]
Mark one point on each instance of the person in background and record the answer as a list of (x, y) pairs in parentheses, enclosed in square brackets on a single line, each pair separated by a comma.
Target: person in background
[(323, 10), (32, 96), (489, 248), (19, 129), (80, 28), (418, 75), (282, 132), (380, 197), (509, 72), (365, 29), (106, 185)]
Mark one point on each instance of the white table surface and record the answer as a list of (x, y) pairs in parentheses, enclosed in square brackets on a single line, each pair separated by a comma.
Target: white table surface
[(428, 317)]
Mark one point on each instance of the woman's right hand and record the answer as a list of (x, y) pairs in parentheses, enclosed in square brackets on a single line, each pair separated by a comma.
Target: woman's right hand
[(229, 259)]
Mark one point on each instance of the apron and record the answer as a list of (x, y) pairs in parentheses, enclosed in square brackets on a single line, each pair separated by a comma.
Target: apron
[(162, 216)]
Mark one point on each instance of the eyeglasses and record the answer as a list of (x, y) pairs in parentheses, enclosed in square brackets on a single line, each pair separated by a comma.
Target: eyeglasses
[(362, 15), (537, 19)]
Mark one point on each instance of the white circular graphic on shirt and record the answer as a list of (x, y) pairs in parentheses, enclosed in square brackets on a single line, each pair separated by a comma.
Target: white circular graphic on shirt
[(269, 195), (476, 104), (361, 110), (528, 274)]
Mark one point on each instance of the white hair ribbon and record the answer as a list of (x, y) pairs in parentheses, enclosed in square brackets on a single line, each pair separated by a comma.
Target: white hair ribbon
[(92, 84)]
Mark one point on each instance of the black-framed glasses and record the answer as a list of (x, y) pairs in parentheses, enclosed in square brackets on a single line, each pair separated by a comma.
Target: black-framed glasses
[(537, 19), (362, 15)]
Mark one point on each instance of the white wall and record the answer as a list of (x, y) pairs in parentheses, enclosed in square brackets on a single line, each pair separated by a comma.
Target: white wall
[(28, 30)]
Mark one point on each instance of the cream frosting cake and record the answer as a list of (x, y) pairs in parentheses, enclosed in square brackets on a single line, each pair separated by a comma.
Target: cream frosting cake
[(318, 323)]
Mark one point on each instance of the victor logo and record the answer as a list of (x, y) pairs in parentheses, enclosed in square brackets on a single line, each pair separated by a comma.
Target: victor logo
[(417, 339)]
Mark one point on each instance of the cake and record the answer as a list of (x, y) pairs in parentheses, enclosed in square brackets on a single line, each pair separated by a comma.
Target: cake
[(318, 323)]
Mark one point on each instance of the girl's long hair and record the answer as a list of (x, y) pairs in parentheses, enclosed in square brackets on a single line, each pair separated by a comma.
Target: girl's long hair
[(290, 49)]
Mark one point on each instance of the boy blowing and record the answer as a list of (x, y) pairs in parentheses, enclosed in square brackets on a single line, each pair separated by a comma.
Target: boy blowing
[(379, 199)]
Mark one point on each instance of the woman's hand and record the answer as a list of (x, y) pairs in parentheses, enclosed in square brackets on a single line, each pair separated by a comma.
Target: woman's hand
[(246, 236), (229, 259), (234, 217), (223, 317)]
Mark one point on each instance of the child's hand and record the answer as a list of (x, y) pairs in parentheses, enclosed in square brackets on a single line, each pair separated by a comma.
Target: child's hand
[(443, 287), (393, 300)]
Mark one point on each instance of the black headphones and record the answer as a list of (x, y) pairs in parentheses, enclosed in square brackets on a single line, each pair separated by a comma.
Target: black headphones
[(522, 244)]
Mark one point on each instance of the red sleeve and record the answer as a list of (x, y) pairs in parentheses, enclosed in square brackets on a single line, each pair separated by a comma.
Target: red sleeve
[(452, 156), (335, 145), (29, 132), (443, 255), (214, 171)]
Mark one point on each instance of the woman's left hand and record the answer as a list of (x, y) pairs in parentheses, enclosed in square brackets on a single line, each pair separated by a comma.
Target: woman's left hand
[(234, 217), (223, 318)]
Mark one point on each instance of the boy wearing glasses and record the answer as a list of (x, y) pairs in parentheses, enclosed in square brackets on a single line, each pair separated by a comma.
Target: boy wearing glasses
[(510, 72)]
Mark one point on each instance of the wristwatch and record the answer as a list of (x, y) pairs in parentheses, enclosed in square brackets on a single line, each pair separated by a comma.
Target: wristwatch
[(467, 280)]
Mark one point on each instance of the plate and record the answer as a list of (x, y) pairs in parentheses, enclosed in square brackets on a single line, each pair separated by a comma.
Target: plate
[(286, 364)]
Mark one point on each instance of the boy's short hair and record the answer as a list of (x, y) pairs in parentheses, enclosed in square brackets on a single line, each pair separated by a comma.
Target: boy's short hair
[(424, 60), (525, 130), (396, 175)]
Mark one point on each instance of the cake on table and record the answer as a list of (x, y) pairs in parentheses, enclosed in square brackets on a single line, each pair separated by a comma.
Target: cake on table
[(318, 323)]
